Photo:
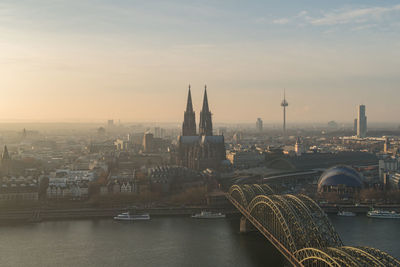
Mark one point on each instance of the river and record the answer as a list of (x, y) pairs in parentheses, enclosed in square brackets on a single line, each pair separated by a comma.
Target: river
[(166, 241)]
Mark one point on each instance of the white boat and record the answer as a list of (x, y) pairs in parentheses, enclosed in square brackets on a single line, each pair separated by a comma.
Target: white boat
[(384, 214), (208, 215), (346, 213), (132, 217)]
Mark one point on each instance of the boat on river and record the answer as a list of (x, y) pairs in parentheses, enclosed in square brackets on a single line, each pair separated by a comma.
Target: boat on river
[(208, 215), (126, 216), (346, 213), (383, 214)]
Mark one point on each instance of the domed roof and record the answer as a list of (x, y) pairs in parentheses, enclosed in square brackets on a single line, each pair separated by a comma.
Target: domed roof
[(340, 175)]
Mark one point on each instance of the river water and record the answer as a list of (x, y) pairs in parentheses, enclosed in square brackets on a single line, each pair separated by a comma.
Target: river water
[(166, 241)]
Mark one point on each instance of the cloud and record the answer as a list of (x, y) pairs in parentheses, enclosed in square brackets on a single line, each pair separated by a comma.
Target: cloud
[(369, 16), (360, 15), (363, 27), (281, 21)]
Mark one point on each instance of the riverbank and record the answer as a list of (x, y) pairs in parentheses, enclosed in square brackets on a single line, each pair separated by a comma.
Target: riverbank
[(94, 213), (334, 208), (46, 214)]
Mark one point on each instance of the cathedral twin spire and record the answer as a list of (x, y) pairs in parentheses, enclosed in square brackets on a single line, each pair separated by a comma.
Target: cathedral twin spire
[(189, 123), (205, 126), (189, 105)]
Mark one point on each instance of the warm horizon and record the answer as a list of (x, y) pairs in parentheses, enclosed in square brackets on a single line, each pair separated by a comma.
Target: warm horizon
[(69, 61)]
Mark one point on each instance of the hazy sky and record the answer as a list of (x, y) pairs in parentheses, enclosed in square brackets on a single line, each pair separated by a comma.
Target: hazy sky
[(65, 60)]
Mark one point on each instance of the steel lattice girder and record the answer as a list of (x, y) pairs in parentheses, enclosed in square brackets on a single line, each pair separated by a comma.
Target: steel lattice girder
[(297, 221), (342, 257), (314, 235), (315, 257), (257, 189), (277, 224), (245, 193), (345, 256), (362, 256), (237, 193), (385, 258), (267, 189), (325, 226)]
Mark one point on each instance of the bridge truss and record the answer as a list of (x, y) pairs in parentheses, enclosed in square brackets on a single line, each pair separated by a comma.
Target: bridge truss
[(300, 229)]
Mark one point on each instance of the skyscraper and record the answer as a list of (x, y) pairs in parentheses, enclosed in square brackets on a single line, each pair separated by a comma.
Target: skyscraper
[(205, 126), (284, 104), (362, 122), (148, 142), (189, 122), (259, 124)]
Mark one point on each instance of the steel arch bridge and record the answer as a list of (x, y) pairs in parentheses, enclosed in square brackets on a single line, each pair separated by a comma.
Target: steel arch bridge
[(300, 229)]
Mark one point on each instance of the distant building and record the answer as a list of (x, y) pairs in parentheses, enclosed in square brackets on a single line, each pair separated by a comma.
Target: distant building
[(259, 125), (388, 165), (298, 147), (173, 178), (355, 126), (362, 122), (120, 182), (21, 188), (342, 180), (201, 151), (5, 161), (148, 142), (121, 144), (96, 147), (110, 123), (158, 132), (394, 181), (222, 130), (237, 137), (62, 189), (245, 159), (386, 145)]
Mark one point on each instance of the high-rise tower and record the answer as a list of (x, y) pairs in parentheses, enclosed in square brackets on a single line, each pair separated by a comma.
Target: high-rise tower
[(362, 122), (259, 125), (284, 104), (189, 122), (205, 125)]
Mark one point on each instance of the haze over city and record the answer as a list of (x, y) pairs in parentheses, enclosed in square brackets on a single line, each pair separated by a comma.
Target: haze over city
[(199, 133), (75, 61)]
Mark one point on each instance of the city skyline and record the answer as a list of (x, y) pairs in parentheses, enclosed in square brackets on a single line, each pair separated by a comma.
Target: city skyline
[(133, 61), (211, 133)]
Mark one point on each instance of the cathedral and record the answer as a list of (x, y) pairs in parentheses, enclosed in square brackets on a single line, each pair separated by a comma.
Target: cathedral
[(203, 150)]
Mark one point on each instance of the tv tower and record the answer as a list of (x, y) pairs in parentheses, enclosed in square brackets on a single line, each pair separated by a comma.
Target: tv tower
[(284, 104)]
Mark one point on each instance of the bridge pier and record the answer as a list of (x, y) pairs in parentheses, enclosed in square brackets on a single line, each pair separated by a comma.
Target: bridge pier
[(246, 226)]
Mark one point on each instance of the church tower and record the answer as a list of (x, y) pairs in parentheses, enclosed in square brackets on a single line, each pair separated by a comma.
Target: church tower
[(189, 122), (205, 126), (5, 161)]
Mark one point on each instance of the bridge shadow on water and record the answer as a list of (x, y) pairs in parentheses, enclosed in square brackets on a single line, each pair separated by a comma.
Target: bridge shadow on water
[(258, 249)]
